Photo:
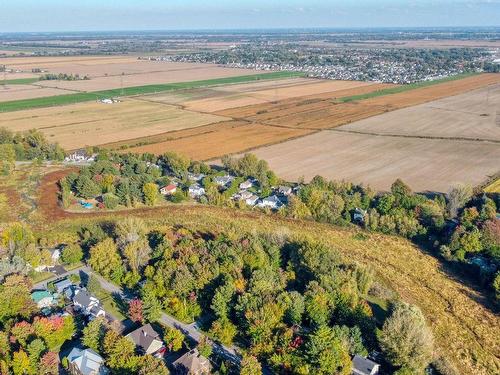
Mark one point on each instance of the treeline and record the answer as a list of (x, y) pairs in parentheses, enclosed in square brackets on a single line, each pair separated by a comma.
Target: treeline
[(459, 226), (29, 145), (63, 77)]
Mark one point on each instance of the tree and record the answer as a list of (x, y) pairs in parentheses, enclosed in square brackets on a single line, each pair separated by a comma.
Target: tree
[(104, 259), (223, 330), (131, 229), (7, 159), (317, 305), (204, 347), (35, 350), (110, 200), (54, 330), (21, 332), (135, 311), (296, 308), (458, 196), (177, 164), (152, 366), (21, 364), (250, 365), (87, 188), (16, 298), (137, 254), (327, 353), (120, 352), (151, 194), (93, 334), (72, 254), (173, 338), (297, 209), (49, 364), (405, 338), (16, 236), (151, 306)]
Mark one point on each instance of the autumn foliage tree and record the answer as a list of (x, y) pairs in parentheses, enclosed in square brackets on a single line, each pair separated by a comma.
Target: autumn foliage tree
[(135, 311)]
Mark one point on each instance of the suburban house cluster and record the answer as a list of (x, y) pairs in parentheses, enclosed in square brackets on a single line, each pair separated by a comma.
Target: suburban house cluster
[(63, 297)]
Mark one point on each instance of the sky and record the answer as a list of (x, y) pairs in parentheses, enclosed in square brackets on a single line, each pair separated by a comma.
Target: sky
[(96, 15)]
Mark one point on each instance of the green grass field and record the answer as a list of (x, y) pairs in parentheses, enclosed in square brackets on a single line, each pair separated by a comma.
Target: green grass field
[(50, 101), (403, 88), (20, 81)]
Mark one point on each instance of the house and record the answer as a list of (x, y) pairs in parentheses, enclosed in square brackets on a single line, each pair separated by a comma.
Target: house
[(168, 190), (79, 156), (359, 215), (55, 255), (272, 202), (87, 304), (86, 362), (364, 366), (62, 285), (196, 191), (192, 363), (147, 340), (195, 177), (246, 185), (285, 190), (223, 180), (42, 298)]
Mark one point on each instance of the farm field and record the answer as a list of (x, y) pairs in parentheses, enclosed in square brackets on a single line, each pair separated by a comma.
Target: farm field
[(241, 96), (424, 164), (473, 115), (19, 91), (180, 74), (321, 112), (84, 124), (226, 138)]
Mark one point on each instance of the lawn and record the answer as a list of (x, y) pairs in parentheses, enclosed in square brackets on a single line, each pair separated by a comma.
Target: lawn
[(494, 187), (50, 101)]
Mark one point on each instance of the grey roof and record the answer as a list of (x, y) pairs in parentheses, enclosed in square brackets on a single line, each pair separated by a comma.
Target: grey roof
[(193, 362), (272, 199), (83, 298), (87, 361), (363, 366), (62, 284), (144, 336)]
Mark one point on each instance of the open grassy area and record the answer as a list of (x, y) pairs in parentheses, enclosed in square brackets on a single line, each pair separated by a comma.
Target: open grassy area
[(50, 101), (494, 187), (403, 88), (19, 81)]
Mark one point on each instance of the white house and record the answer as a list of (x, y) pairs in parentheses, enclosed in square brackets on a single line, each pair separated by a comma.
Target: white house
[(195, 177), (272, 202), (223, 180), (86, 362), (246, 185), (79, 156), (196, 191), (88, 304), (252, 200)]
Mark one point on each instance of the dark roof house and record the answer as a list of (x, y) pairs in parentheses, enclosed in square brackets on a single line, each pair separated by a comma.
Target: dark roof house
[(364, 366), (146, 339)]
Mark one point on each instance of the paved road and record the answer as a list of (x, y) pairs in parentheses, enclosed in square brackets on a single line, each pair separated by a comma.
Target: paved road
[(191, 330)]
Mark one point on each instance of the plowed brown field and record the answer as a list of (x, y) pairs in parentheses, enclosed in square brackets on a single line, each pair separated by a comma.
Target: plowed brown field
[(322, 112), (225, 138)]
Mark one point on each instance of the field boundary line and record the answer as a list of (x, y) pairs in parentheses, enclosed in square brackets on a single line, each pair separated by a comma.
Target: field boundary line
[(414, 136)]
